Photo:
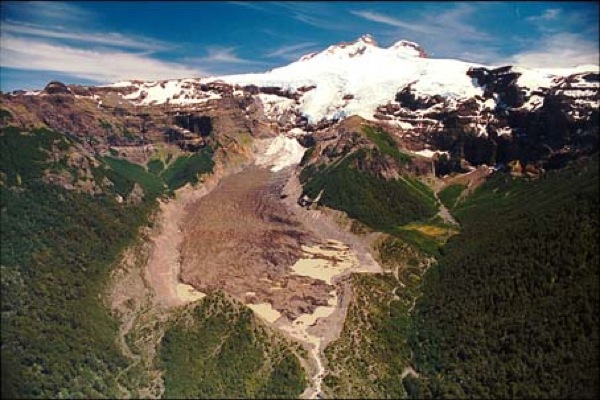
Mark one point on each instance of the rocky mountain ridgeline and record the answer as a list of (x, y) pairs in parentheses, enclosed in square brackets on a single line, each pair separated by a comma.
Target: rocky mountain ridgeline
[(512, 119)]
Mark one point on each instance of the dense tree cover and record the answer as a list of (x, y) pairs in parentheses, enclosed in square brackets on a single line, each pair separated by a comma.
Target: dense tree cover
[(379, 203), (182, 170), (219, 350), (450, 194), (57, 249), (512, 308), (124, 174), (511, 311), (155, 166)]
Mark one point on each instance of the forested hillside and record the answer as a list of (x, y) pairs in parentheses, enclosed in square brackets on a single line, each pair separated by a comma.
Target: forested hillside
[(58, 246), (218, 349), (352, 177), (512, 308)]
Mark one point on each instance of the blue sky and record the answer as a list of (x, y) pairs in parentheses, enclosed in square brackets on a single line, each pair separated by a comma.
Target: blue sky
[(101, 42)]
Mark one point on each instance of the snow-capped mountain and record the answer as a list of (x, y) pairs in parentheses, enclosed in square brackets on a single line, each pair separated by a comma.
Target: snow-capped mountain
[(472, 112), (347, 79)]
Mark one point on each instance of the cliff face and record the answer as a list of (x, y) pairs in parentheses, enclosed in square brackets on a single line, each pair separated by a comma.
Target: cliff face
[(508, 122), (101, 121), (107, 115), (450, 112)]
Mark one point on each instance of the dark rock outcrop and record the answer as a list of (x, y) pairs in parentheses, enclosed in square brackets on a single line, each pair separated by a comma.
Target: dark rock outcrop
[(502, 81), (407, 98), (56, 87), (563, 116), (198, 124)]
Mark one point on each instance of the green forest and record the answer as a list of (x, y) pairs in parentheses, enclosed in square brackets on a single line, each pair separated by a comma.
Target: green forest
[(379, 203), (450, 194), (157, 179), (220, 350), (511, 309), (58, 248)]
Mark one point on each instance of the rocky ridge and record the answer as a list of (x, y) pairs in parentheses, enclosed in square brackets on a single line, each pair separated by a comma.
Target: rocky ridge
[(461, 114)]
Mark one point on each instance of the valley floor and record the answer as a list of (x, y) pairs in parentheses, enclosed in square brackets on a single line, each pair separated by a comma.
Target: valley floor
[(244, 234)]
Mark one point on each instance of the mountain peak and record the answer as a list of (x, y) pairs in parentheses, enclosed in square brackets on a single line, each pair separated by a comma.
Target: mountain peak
[(367, 43), (406, 47), (350, 49), (367, 39)]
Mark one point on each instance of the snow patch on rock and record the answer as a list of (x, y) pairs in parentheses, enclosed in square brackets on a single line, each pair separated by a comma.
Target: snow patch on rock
[(281, 152), (430, 153)]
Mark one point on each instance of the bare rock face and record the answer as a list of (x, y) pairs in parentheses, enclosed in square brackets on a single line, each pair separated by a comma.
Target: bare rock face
[(503, 124), (407, 98), (80, 90), (410, 47), (304, 89), (79, 174), (502, 81), (279, 92), (348, 137), (107, 90)]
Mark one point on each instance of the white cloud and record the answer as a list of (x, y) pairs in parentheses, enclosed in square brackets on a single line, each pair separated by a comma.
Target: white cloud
[(553, 21), (550, 14), (448, 33), (457, 22), (58, 38), (453, 33), (387, 20), (560, 50), (223, 61), (247, 4), (291, 52), (447, 25), (97, 65), (106, 57), (110, 38), (53, 13), (322, 15), (224, 55)]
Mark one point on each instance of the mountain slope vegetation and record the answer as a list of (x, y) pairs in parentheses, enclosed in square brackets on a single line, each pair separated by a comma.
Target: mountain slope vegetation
[(59, 246), (511, 310), (219, 350), (352, 178), (57, 250)]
